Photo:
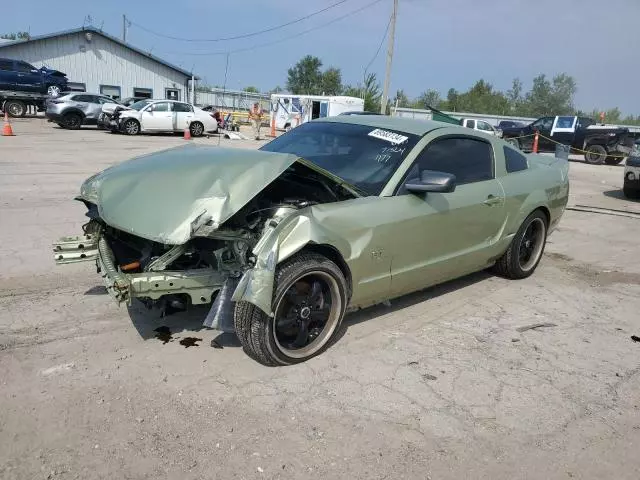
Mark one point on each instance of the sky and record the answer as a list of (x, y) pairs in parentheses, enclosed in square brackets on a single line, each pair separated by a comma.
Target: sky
[(439, 44)]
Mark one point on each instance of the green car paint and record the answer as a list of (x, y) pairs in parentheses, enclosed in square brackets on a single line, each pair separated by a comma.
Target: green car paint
[(387, 244)]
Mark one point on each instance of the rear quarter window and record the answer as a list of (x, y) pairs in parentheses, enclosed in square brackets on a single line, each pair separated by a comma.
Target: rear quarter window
[(514, 161)]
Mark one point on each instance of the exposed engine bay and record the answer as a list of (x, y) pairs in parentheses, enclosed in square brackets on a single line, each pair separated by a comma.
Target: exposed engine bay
[(223, 251)]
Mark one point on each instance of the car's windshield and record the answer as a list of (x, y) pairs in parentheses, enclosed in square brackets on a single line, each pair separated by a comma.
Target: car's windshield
[(364, 156), (139, 105)]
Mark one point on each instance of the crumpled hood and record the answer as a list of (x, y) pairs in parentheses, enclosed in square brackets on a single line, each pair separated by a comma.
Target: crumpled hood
[(159, 196), (50, 71)]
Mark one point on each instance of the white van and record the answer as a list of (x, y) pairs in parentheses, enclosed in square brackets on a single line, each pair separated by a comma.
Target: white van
[(289, 111)]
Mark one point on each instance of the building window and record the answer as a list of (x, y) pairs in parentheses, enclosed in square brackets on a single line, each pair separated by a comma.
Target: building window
[(110, 91), (76, 87), (172, 94), (142, 92)]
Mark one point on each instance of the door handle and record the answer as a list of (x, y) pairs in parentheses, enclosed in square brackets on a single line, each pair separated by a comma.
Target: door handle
[(493, 200)]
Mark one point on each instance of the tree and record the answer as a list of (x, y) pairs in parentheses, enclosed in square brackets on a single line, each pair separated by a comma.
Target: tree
[(369, 91), (430, 98), (16, 36), (331, 82), (514, 95), (401, 99), (305, 77), (251, 89), (276, 89), (550, 98)]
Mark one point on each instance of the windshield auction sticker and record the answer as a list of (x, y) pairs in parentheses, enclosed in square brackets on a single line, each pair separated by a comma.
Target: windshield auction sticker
[(395, 138)]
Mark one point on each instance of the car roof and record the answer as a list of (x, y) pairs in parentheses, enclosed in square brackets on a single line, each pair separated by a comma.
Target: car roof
[(407, 125)]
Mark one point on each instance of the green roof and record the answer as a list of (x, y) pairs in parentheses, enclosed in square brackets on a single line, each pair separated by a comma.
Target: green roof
[(407, 125)]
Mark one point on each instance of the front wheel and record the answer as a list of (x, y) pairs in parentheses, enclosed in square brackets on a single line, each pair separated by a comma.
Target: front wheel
[(309, 302), (72, 121), (15, 108), (595, 154), (53, 90), (525, 251), (131, 127)]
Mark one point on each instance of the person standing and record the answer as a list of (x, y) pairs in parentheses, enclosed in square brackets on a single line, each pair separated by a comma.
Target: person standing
[(255, 117)]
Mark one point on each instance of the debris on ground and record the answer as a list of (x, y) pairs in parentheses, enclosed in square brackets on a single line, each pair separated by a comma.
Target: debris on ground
[(533, 326), (635, 338)]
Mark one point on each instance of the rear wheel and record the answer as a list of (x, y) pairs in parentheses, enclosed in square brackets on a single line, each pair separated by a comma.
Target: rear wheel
[(15, 108), (309, 303), (131, 127), (525, 251), (72, 121), (197, 129), (595, 154)]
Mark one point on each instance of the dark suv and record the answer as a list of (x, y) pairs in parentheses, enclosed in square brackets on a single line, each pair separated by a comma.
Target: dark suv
[(23, 77)]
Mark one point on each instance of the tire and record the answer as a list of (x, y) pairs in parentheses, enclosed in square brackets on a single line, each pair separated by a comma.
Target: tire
[(271, 341), (72, 121), (630, 192), (15, 108), (613, 160), (595, 154), (512, 264), (131, 127), (53, 90), (196, 129)]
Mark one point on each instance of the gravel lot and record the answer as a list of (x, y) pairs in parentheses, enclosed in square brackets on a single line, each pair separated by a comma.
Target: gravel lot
[(439, 385)]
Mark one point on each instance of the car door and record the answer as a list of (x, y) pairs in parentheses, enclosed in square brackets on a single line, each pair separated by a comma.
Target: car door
[(563, 130), (8, 75), (182, 115), (441, 236), (28, 77), (157, 117)]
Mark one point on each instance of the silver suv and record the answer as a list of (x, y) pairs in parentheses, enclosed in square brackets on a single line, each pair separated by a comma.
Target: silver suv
[(74, 109)]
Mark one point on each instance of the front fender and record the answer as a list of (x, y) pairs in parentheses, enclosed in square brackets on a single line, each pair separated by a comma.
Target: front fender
[(279, 242)]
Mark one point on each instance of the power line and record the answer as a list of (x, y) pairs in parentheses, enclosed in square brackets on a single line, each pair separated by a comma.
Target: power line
[(291, 37), (245, 35), (379, 48)]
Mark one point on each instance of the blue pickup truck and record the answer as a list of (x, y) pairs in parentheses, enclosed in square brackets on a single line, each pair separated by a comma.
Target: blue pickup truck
[(22, 84)]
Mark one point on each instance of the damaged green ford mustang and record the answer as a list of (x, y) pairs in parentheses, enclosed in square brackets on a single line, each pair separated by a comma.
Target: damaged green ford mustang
[(337, 214)]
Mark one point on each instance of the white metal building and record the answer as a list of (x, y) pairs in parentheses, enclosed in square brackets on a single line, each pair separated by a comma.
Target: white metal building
[(99, 63)]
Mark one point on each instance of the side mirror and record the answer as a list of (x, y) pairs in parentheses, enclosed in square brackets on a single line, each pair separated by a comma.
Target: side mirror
[(431, 181)]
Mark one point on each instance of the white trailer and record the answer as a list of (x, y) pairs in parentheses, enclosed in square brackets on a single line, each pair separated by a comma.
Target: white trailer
[(289, 111)]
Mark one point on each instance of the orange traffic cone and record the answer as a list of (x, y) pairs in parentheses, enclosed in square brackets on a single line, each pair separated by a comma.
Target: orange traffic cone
[(7, 131), (187, 133)]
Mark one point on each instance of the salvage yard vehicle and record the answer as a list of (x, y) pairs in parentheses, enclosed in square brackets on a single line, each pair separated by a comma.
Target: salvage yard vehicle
[(337, 214), (631, 180), (72, 110), (160, 116), (601, 143), (481, 126), (21, 76)]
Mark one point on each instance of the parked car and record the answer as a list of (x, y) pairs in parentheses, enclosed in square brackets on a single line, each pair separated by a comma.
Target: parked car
[(338, 214), (509, 124), (17, 75), (631, 180), (481, 126), (73, 109), (162, 116), (602, 143)]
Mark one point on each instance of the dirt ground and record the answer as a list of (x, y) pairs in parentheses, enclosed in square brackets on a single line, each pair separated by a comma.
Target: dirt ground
[(440, 385)]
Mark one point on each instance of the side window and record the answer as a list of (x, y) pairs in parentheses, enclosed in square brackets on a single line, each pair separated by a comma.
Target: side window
[(82, 98), (469, 123), (160, 107), (470, 160), (543, 123), (484, 126), (24, 67), (514, 161), (6, 65), (181, 107)]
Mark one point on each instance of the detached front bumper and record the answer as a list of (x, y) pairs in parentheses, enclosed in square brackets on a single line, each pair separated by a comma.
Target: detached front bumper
[(199, 284)]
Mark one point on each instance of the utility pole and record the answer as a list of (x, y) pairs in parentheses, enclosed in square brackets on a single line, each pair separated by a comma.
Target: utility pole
[(387, 77), (124, 28)]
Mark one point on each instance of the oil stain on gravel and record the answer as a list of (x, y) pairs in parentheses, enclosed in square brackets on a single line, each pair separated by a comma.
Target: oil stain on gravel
[(190, 342), (164, 334)]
